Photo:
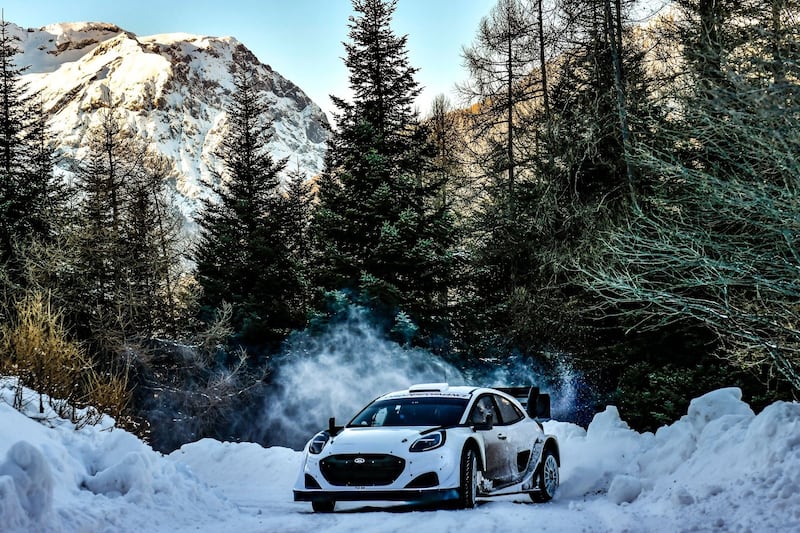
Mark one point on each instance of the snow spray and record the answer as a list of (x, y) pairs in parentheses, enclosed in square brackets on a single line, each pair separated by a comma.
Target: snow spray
[(338, 371)]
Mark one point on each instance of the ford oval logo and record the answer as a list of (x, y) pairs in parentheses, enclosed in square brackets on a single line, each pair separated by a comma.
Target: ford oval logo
[(359, 460)]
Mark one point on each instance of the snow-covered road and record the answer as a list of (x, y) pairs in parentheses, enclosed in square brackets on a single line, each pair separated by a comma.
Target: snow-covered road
[(718, 468), (263, 498)]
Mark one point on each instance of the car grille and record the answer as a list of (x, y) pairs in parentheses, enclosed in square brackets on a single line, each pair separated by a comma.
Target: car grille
[(366, 470)]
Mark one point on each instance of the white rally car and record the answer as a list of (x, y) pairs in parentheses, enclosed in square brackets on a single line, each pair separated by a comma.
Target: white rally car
[(434, 442)]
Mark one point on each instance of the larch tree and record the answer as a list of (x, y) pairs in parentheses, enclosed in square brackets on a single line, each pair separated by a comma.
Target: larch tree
[(564, 80), (501, 65), (717, 243), (124, 255), (510, 137), (152, 247)]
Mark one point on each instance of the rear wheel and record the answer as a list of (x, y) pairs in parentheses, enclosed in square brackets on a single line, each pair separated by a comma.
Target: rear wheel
[(323, 506), (547, 477), (469, 479)]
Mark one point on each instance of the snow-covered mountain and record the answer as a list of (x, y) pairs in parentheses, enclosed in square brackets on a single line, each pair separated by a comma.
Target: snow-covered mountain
[(173, 89)]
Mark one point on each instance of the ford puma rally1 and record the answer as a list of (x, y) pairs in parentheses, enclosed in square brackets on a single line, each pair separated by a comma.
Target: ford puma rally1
[(434, 443)]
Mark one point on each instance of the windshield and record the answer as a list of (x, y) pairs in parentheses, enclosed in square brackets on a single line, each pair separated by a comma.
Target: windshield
[(427, 411)]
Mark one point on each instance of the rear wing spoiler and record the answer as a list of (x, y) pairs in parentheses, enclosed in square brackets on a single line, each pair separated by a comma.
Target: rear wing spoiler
[(536, 404)]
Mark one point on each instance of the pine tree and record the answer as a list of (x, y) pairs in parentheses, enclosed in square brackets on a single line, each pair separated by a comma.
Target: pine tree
[(299, 198), (242, 257), (11, 129), (30, 196), (378, 230), (46, 194)]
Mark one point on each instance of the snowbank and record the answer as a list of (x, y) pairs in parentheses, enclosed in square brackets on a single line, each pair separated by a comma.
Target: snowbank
[(720, 467), (54, 477), (26, 485)]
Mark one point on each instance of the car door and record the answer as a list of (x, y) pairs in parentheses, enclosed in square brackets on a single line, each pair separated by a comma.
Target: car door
[(495, 441), (518, 432)]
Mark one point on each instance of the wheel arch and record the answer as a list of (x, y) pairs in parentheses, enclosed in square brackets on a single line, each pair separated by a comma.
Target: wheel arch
[(480, 453), (551, 444)]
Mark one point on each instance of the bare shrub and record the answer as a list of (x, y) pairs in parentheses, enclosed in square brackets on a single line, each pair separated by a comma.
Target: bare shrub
[(36, 346), (108, 391), (216, 334)]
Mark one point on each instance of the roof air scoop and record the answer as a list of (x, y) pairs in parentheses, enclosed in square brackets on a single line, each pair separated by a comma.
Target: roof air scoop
[(429, 387)]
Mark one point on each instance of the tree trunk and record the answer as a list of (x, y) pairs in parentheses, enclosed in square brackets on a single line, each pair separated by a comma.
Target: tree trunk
[(510, 120), (545, 96), (778, 66), (614, 38)]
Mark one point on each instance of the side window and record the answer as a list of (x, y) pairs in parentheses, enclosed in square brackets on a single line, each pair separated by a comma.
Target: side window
[(482, 408), (509, 412)]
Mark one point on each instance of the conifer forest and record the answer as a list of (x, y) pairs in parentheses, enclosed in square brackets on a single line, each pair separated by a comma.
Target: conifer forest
[(613, 197)]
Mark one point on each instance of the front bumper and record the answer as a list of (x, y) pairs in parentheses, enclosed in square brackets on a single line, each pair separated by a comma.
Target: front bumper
[(426, 476), (402, 495)]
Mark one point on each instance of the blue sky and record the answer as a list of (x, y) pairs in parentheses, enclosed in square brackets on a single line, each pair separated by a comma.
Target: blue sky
[(301, 39)]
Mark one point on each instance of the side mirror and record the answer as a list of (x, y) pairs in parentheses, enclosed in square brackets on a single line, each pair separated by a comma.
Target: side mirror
[(486, 425), (333, 429)]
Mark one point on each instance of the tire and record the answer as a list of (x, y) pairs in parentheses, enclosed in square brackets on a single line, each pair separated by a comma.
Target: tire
[(323, 506), (467, 492), (547, 478)]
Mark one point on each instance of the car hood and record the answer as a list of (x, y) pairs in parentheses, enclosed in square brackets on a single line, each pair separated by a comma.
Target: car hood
[(392, 440)]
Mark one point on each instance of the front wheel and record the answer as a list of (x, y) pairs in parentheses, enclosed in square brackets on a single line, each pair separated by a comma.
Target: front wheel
[(469, 480), (323, 506), (547, 478)]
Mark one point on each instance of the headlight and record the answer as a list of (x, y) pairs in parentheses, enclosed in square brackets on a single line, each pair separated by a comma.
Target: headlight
[(428, 442), (318, 442)]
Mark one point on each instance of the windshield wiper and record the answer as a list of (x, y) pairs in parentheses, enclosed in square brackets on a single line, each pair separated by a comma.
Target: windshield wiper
[(440, 428)]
